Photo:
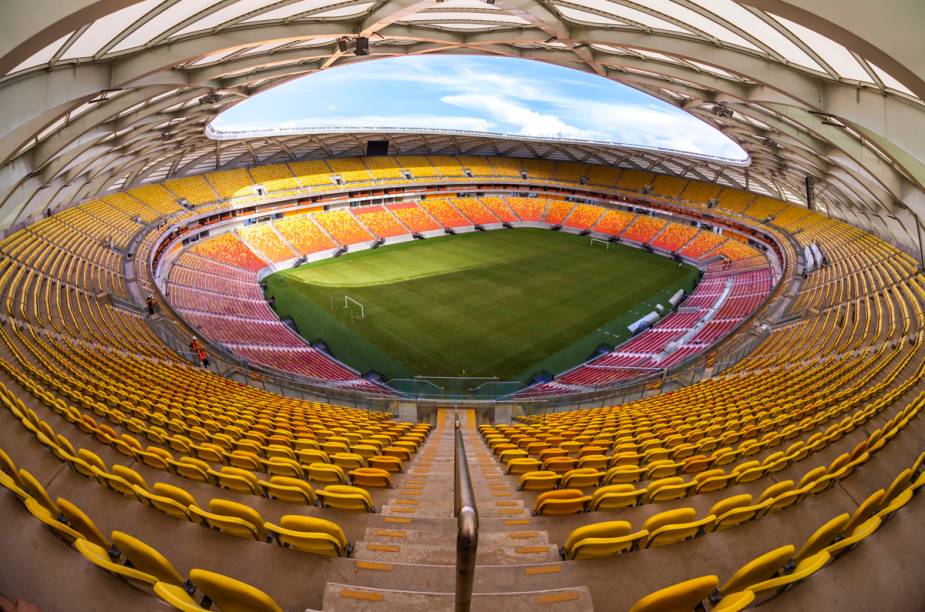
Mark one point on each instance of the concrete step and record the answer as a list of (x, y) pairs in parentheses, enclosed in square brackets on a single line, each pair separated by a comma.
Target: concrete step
[(343, 598), (514, 546)]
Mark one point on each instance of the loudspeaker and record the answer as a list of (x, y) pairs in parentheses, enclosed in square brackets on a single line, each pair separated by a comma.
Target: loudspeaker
[(810, 196), (377, 148), (362, 47)]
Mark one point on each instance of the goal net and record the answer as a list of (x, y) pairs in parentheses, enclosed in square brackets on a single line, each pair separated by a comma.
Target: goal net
[(598, 241), (357, 310)]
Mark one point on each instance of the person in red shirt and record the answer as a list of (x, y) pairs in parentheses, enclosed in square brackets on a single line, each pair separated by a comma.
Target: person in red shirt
[(203, 356)]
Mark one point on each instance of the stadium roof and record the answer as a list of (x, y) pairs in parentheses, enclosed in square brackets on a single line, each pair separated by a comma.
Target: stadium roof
[(98, 95)]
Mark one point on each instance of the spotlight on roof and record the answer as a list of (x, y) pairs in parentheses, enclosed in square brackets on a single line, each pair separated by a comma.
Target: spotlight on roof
[(721, 110), (209, 98), (343, 44)]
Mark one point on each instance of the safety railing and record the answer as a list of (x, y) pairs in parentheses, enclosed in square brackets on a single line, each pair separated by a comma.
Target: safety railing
[(467, 524)]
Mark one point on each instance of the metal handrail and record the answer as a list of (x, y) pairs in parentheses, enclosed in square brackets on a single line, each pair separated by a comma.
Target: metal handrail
[(467, 524)]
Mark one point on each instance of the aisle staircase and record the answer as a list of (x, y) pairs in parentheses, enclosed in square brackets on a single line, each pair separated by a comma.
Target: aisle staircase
[(422, 531)]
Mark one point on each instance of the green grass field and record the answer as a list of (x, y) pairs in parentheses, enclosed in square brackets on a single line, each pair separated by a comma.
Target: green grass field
[(500, 303)]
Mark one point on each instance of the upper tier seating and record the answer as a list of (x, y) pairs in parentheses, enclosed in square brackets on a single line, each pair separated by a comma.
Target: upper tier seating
[(342, 226), (506, 167), (634, 180), (473, 209), (232, 183), (157, 198), (447, 166), (414, 217), (674, 237), (383, 168), (194, 189), (350, 169), (644, 228), (312, 173), (419, 166), (381, 222), (703, 244), (557, 211), (228, 249), (500, 209), (303, 234), (444, 212), (614, 221), (528, 209), (264, 239), (539, 169), (277, 177), (584, 216)]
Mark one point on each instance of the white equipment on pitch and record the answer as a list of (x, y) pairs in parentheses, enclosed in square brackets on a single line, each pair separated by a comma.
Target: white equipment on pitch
[(604, 242), (352, 305)]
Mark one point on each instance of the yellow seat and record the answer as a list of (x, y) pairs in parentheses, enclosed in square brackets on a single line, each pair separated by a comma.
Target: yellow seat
[(685, 595), (310, 534), (593, 461), (236, 479), (667, 489), (60, 529), (344, 497), (76, 518), (227, 594), (759, 569), (523, 465), (734, 602), (803, 570), (370, 477), (859, 533), (678, 532), (623, 474), (382, 462), (165, 504), (323, 472), (563, 501), (397, 451), (539, 481), (581, 478), (146, 559), (35, 489), (559, 465), (822, 537), (290, 490), (283, 466), (99, 556), (775, 489), (232, 518), (601, 540), (615, 497), (348, 461), (192, 468), (309, 456)]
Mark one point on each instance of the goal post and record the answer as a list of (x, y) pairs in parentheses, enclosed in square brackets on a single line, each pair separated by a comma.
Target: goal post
[(599, 241), (357, 310)]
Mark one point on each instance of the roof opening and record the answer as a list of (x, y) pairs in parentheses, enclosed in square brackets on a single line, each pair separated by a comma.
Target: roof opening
[(507, 96)]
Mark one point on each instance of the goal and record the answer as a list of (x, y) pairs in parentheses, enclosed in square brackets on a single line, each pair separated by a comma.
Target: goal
[(599, 241), (357, 310)]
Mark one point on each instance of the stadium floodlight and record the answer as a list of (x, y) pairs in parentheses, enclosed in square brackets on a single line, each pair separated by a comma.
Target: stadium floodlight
[(354, 306)]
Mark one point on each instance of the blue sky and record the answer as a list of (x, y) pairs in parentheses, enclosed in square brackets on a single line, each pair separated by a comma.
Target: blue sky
[(487, 94)]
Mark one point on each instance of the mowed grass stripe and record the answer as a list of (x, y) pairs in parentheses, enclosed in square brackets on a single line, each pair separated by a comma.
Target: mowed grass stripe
[(498, 303)]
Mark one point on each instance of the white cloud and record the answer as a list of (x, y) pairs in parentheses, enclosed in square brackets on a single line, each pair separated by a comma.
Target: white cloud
[(527, 122), (477, 124)]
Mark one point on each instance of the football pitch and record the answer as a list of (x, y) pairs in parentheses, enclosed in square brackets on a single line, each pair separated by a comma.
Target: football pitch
[(504, 303)]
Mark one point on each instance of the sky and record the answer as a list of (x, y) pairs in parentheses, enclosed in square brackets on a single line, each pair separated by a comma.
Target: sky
[(485, 94)]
